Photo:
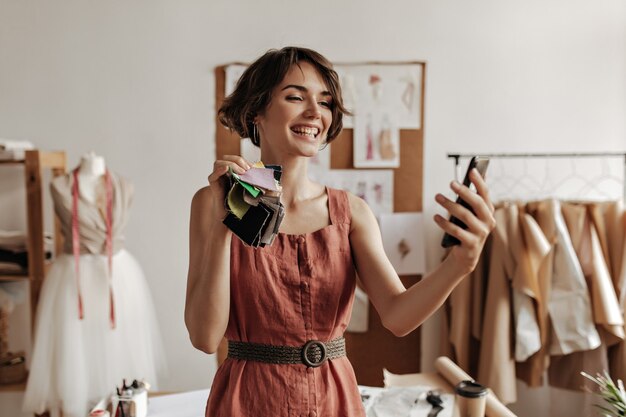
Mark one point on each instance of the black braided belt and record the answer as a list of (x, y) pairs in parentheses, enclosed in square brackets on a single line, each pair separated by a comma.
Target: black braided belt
[(312, 354)]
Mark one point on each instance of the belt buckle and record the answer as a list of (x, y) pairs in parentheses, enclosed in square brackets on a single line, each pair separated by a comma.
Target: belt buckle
[(307, 347)]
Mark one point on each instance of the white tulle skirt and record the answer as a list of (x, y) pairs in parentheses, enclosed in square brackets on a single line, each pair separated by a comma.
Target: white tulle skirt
[(76, 362)]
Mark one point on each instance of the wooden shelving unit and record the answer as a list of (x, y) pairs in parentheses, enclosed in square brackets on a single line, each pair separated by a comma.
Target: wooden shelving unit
[(34, 164), (13, 387)]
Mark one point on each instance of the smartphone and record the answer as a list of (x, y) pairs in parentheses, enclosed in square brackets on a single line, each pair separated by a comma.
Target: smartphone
[(481, 164)]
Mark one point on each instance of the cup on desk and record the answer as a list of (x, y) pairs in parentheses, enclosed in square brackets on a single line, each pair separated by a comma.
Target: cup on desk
[(470, 399)]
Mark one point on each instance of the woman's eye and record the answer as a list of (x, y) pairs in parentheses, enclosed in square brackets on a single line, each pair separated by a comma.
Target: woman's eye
[(325, 104), (295, 98)]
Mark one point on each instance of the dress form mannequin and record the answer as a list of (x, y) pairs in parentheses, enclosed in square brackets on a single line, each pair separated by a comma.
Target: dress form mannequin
[(95, 322), (90, 171)]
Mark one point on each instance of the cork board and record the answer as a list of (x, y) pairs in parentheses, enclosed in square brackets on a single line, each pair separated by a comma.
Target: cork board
[(377, 348)]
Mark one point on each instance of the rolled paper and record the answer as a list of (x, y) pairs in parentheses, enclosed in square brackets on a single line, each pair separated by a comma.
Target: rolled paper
[(453, 374)]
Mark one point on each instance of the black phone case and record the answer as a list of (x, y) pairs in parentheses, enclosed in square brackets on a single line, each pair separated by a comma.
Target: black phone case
[(449, 240)]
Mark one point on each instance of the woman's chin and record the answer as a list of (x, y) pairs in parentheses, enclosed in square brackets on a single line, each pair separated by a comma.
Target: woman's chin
[(308, 149), (310, 153)]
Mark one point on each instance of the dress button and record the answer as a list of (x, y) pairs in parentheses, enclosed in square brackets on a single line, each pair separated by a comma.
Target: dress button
[(301, 239), (305, 286), (312, 414)]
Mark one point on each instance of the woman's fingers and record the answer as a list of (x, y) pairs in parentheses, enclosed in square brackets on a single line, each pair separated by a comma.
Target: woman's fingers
[(220, 167), (218, 171), (482, 208), (240, 161), (460, 212), (452, 229), (481, 188)]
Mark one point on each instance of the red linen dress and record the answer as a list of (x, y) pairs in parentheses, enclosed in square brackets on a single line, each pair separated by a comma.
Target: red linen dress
[(299, 288)]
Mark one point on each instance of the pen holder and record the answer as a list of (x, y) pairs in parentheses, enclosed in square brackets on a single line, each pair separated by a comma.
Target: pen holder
[(133, 405)]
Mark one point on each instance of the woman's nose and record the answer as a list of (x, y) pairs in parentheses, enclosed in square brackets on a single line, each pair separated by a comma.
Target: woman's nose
[(313, 110)]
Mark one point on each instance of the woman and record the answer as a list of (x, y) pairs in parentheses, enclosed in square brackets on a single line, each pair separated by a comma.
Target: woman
[(285, 307)]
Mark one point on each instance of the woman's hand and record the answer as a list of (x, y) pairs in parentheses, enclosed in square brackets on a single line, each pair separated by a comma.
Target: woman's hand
[(465, 256), (218, 182)]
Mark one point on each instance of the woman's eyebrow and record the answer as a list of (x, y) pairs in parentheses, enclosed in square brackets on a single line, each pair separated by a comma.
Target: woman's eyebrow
[(304, 89)]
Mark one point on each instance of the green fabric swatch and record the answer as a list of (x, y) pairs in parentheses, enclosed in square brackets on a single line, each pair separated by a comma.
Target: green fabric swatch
[(235, 201), (250, 188)]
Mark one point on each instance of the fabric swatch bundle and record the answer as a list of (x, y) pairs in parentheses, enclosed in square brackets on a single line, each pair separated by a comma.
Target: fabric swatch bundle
[(253, 204)]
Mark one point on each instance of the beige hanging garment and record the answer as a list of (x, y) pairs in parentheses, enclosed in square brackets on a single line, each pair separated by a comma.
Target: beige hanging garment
[(606, 305), (479, 288), (587, 243), (536, 277), (459, 309), (526, 295), (462, 307), (610, 221), (496, 367), (565, 370), (614, 219), (607, 218), (569, 305)]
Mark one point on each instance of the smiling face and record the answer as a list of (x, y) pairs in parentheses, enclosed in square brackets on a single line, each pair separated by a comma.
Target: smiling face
[(297, 119)]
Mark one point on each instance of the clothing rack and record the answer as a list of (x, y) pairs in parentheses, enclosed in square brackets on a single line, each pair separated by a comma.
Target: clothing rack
[(572, 155), (458, 156)]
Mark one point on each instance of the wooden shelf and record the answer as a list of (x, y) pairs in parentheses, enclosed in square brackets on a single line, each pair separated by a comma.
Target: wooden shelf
[(19, 387), (20, 275), (13, 277), (34, 164), (46, 159)]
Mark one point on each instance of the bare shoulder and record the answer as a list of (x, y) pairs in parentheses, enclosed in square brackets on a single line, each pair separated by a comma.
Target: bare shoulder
[(201, 204), (202, 197), (361, 213)]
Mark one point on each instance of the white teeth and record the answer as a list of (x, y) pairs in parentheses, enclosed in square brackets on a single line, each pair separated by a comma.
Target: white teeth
[(310, 131)]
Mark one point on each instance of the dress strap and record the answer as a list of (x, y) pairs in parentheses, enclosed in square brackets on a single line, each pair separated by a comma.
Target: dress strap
[(338, 206)]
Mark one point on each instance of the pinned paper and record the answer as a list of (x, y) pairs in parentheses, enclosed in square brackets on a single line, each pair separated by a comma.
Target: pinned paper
[(403, 239), (373, 186)]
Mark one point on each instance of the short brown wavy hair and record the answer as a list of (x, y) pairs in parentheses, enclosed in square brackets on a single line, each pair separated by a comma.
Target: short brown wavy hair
[(254, 89)]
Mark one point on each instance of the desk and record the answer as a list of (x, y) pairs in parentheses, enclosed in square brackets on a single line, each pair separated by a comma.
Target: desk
[(193, 403), (184, 404), (433, 379)]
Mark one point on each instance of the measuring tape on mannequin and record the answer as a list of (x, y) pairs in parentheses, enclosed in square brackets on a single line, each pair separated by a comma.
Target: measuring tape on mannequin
[(108, 244)]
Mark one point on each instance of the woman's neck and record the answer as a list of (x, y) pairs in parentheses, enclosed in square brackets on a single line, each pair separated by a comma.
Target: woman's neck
[(295, 181)]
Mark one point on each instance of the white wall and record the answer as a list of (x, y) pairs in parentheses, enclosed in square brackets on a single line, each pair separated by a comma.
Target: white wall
[(134, 82)]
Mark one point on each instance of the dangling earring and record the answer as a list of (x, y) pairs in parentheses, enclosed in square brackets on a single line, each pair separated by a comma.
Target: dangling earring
[(255, 134)]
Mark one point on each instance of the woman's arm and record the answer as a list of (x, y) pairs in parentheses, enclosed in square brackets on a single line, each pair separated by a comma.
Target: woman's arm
[(401, 310), (207, 303)]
